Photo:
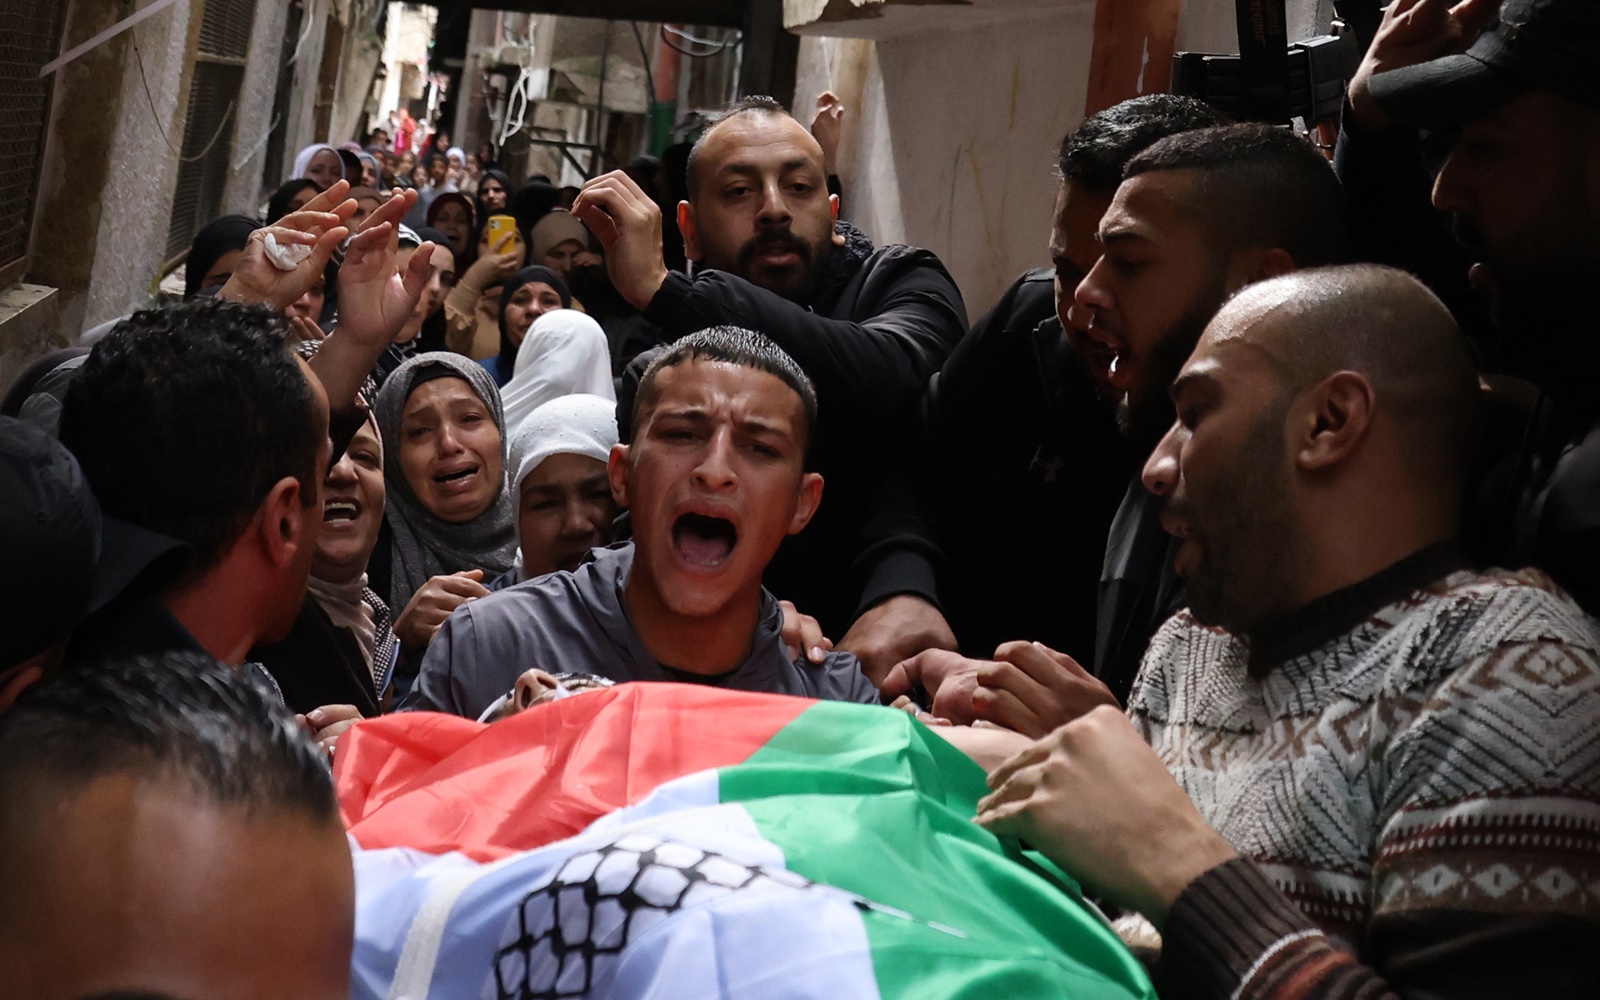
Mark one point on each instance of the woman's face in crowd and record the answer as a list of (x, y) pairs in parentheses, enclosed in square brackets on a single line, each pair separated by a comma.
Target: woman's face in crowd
[(564, 509), (364, 208), (369, 174), (309, 306), (419, 177), (563, 258), (441, 278), (408, 163), (325, 167), (450, 450), (453, 222), (492, 194), (222, 270), (528, 303), (302, 199), (352, 510)]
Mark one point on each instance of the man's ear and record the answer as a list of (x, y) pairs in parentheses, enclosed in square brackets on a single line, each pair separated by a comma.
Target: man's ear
[(282, 521), (1333, 421), (810, 499), (1247, 267), (617, 473), (691, 238), (833, 208)]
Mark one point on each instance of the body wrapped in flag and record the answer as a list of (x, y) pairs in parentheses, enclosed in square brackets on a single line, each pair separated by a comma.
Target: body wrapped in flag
[(673, 841)]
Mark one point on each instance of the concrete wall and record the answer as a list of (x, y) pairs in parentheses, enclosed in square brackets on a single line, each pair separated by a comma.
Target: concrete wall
[(950, 135), (254, 118), (111, 156), (111, 163)]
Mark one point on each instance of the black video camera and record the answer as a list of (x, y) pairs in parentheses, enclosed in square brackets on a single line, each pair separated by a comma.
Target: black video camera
[(1317, 73)]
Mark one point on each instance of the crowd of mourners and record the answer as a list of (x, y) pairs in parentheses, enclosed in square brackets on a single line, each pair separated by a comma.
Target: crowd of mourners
[(1252, 548)]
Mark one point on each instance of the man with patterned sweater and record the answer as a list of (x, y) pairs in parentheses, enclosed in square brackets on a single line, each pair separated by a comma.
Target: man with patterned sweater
[(1355, 767)]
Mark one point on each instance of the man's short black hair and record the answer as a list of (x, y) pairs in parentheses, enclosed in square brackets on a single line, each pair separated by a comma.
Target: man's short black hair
[(179, 717), (755, 104), (430, 157), (1259, 186), (184, 417), (735, 346), (1094, 155)]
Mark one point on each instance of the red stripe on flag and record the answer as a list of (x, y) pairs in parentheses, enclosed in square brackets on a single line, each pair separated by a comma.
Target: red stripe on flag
[(439, 783)]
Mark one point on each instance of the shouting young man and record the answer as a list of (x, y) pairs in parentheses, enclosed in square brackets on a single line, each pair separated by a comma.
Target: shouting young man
[(715, 479)]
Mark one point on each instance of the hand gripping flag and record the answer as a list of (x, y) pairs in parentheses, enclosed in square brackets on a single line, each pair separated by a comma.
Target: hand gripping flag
[(665, 841)]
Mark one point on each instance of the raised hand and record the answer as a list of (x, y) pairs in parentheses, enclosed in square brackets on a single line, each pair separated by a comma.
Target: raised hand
[(319, 226), (1412, 32), (375, 299), (377, 296), (827, 127), (628, 224)]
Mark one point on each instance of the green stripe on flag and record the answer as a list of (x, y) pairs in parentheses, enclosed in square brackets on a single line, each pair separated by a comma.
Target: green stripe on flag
[(870, 801)]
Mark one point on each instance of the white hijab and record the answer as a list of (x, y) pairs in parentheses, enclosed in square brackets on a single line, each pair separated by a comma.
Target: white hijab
[(303, 161), (579, 424), (565, 352)]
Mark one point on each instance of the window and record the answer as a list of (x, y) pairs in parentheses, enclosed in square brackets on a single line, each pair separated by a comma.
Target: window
[(31, 38), (208, 123)]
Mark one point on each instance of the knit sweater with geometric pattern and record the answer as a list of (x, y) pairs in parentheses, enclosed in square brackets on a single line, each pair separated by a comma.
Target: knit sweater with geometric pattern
[(1414, 792)]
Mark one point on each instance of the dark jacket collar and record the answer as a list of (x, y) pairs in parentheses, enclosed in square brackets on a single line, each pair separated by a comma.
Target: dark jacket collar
[(1299, 632), (136, 624), (843, 265)]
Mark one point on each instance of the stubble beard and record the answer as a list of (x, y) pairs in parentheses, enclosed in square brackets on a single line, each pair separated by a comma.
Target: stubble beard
[(1249, 557)]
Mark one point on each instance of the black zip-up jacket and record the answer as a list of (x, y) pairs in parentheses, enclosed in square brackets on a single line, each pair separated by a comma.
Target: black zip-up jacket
[(1027, 470), (883, 323), (1549, 516)]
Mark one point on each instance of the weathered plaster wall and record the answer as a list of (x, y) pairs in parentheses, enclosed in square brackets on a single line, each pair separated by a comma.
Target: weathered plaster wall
[(141, 153), (254, 119), (950, 136)]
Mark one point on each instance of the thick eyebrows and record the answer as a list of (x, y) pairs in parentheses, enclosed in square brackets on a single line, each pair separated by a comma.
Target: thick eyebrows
[(764, 427), (744, 168)]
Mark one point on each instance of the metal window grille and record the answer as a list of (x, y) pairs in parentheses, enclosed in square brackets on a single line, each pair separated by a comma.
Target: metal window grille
[(31, 37), (225, 27)]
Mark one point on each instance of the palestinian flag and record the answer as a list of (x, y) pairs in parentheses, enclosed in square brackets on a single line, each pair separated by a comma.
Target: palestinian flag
[(664, 840)]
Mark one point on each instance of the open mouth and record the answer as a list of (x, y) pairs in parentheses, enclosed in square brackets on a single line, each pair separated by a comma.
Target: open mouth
[(340, 511), (704, 541), (1103, 352), (458, 476), (777, 256)]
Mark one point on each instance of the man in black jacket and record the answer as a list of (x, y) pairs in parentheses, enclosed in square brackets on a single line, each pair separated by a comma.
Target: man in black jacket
[(1198, 216), (1024, 462), (1516, 80), (867, 325)]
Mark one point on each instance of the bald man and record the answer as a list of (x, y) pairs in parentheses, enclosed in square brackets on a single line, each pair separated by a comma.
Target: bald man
[(1353, 767), (868, 325)]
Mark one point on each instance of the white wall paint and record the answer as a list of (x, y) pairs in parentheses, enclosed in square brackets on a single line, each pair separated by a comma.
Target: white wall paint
[(950, 138)]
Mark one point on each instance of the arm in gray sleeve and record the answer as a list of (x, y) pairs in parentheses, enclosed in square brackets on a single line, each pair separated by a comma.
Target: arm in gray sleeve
[(438, 687)]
